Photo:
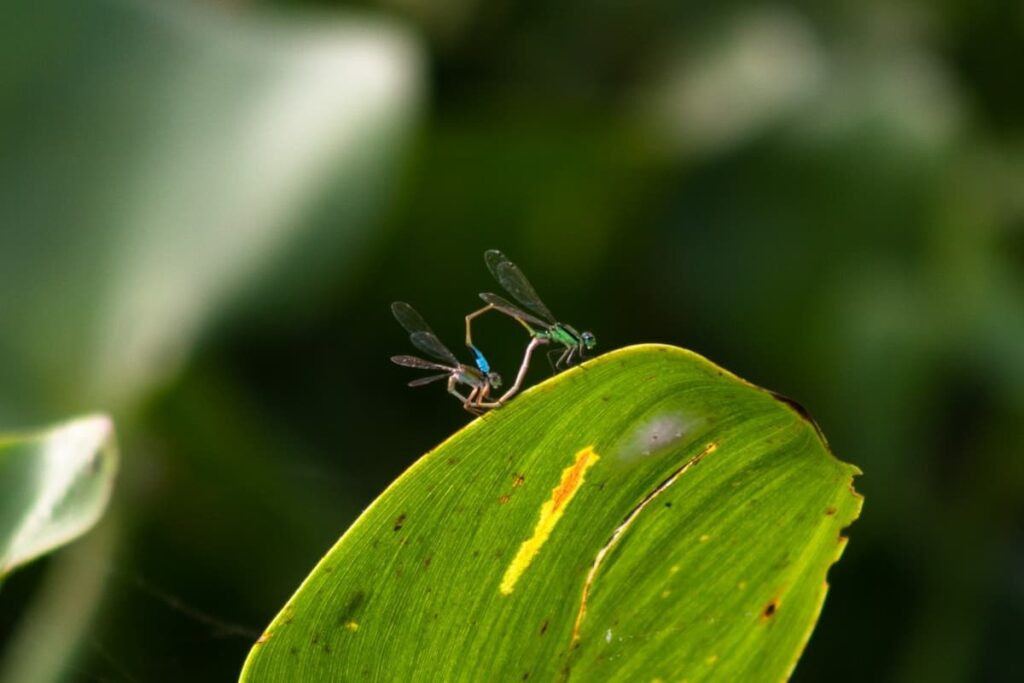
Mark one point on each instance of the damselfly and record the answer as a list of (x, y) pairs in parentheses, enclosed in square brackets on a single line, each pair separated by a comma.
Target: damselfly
[(541, 324), (479, 379)]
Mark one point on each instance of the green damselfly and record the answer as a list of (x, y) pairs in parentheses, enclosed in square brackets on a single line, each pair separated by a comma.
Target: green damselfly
[(541, 324)]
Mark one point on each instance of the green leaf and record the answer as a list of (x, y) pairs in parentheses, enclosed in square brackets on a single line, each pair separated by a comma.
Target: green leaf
[(647, 516), (54, 485)]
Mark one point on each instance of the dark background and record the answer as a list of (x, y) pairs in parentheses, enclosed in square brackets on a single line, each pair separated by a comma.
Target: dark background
[(826, 198)]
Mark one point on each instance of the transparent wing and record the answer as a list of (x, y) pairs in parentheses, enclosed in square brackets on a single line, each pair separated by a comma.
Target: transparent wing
[(427, 380), (432, 346), (419, 363), (420, 334), (512, 310), (408, 318), (515, 283)]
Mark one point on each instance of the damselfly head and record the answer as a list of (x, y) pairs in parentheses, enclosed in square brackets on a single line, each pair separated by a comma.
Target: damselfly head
[(494, 379), (589, 340)]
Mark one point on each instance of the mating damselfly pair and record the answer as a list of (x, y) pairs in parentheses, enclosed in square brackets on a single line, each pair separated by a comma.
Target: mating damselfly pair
[(538, 321)]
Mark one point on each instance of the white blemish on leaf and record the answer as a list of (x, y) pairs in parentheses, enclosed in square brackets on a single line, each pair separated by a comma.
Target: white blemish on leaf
[(658, 433)]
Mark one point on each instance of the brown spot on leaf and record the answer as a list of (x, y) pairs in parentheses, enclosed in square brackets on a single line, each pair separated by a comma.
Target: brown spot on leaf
[(399, 522), (770, 609), (518, 480), (503, 499), (830, 511), (352, 608), (544, 627)]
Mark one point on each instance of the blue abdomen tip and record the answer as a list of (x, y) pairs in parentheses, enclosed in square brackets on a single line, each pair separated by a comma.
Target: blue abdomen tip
[(481, 362)]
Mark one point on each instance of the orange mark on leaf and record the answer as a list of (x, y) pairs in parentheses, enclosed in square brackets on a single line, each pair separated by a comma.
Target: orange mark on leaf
[(572, 477), (550, 512)]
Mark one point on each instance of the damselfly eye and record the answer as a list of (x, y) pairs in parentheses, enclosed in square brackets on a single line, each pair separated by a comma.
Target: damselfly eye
[(589, 340), (494, 379)]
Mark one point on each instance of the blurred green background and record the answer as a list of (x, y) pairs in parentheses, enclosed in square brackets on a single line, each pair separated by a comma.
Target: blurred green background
[(206, 208)]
